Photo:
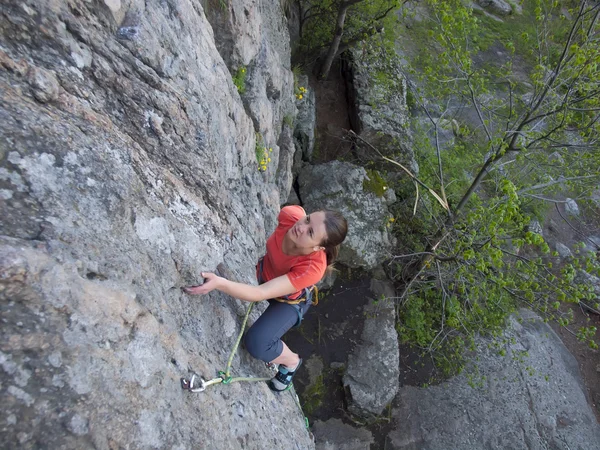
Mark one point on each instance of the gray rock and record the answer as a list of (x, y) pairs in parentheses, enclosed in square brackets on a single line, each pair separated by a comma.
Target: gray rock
[(339, 186), (44, 84), (114, 5), (535, 227), (333, 434), (380, 114), (390, 196), (78, 425), (371, 378), (293, 198), (571, 207), (314, 367), (501, 7), (328, 280), (531, 398), (284, 175), (304, 132), (563, 250)]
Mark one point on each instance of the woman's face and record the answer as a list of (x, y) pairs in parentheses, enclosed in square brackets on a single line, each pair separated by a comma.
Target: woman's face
[(309, 231)]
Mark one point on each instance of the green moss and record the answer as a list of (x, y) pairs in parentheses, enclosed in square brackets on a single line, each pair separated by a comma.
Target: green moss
[(289, 120), (374, 183), (313, 396)]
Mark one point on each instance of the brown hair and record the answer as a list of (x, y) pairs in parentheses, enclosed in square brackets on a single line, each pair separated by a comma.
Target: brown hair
[(336, 228)]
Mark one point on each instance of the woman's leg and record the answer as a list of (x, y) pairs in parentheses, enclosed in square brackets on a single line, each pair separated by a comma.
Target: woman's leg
[(288, 358), (263, 339)]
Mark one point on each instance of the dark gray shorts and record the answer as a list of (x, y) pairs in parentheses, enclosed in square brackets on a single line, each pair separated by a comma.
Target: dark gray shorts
[(263, 339)]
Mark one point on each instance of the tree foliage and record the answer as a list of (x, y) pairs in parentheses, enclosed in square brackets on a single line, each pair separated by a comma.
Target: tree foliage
[(335, 25), (532, 141)]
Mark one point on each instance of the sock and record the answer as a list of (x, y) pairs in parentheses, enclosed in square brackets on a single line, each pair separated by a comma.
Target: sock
[(290, 369)]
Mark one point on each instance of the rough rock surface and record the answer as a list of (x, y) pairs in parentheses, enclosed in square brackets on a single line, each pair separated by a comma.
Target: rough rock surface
[(304, 132), (530, 398), (571, 207), (535, 227), (333, 434), (339, 186), (371, 378), (127, 166), (378, 94)]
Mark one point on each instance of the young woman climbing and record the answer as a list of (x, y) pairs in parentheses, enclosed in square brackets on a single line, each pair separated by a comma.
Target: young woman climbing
[(297, 256)]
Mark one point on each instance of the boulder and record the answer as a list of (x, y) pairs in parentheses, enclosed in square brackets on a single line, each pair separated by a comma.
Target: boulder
[(563, 250), (333, 434), (340, 186), (526, 392), (535, 227), (371, 378), (571, 207)]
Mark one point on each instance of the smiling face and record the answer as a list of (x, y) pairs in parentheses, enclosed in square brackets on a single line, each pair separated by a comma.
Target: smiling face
[(309, 231)]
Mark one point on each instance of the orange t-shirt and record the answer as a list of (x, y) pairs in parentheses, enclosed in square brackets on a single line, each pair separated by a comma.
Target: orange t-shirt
[(303, 270)]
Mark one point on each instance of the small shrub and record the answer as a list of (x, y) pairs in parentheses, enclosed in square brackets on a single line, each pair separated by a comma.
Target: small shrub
[(263, 157), (239, 79)]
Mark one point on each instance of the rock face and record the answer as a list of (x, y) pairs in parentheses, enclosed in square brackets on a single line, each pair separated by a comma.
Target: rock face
[(304, 132), (378, 93), (127, 167), (339, 186), (532, 397), (371, 379)]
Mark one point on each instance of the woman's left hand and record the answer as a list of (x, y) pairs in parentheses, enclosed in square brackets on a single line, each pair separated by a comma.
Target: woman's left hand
[(211, 282)]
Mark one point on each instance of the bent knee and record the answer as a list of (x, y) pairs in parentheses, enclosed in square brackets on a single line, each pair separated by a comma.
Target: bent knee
[(259, 347)]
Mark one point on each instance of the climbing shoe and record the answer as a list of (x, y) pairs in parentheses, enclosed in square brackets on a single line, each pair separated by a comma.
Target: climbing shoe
[(282, 381)]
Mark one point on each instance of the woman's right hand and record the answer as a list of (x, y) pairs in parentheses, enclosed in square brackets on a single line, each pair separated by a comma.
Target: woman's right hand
[(211, 282)]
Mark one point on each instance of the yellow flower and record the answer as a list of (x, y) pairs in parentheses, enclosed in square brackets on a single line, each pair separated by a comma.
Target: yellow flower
[(300, 97), (270, 149), (243, 70), (392, 219), (269, 160)]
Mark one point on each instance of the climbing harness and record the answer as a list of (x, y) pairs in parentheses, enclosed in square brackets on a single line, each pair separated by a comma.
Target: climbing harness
[(308, 293), (310, 296)]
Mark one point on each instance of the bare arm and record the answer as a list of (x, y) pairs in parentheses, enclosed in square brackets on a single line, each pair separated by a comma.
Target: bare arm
[(277, 287)]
